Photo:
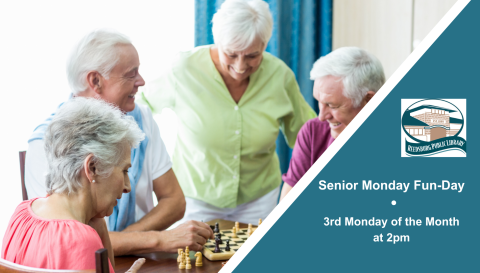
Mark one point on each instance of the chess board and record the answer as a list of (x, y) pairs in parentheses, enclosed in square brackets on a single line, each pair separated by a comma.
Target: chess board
[(235, 244)]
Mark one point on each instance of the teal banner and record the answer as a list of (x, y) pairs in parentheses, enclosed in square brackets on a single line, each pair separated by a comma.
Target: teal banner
[(436, 146)]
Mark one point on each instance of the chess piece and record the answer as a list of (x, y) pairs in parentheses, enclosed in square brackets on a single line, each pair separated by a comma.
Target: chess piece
[(259, 221), (180, 251), (234, 232), (198, 261), (249, 230), (217, 245), (219, 236), (217, 229), (227, 248), (237, 225), (182, 263), (188, 264), (212, 227), (187, 251)]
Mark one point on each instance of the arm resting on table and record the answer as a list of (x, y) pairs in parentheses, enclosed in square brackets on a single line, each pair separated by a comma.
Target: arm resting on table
[(170, 208)]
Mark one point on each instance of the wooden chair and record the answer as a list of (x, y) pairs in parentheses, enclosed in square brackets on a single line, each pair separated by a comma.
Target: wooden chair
[(101, 260), (22, 155)]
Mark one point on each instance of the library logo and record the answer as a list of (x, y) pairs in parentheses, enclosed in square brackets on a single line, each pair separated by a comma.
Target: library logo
[(434, 127)]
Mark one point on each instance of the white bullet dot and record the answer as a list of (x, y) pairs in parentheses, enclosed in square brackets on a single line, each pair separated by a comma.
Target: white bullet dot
[(394, 202), (236, 108)]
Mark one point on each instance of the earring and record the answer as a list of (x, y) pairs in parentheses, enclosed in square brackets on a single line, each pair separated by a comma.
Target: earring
[(93, 181)]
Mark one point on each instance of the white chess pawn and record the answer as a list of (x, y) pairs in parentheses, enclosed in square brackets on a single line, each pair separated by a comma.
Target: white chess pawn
[(234, 232), (182, 263), (179, 259)]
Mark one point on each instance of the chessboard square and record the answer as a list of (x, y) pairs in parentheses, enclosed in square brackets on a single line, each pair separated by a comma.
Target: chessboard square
[(240, 233), (226, 231), (233, 245)]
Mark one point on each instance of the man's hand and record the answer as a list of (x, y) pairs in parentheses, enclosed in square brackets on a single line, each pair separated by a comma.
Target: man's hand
[(192, 234)]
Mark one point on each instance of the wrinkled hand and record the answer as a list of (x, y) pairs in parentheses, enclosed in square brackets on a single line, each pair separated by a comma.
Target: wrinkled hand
[(136, 265), (193, 234)]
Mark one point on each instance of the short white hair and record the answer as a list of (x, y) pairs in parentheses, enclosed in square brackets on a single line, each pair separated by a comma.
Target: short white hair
[(239, 22), (97, 51), (359, 70), (84, 126)]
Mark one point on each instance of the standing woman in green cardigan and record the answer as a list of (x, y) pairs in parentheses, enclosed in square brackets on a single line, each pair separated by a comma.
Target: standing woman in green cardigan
[(232, 99)]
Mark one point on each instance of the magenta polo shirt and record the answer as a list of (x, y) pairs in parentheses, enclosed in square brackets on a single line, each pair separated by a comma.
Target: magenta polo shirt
[(312, 141)]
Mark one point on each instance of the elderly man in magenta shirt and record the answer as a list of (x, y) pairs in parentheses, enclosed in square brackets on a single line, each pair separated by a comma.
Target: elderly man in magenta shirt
[(345, 80)]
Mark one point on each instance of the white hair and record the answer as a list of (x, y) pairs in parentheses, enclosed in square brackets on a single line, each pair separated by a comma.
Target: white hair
[(359, 70), (97, 51), (84, 126), (239, 22)]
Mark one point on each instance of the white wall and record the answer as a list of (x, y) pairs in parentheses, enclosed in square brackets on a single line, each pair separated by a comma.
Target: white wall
[(36, 38), (389, 29)]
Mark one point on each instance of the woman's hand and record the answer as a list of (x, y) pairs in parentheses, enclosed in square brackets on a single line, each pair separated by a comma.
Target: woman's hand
[(100, 226), (136, 265), (192, 234)]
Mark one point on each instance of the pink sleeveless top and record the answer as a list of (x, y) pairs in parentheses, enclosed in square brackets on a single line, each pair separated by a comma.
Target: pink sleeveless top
[(50, 244)]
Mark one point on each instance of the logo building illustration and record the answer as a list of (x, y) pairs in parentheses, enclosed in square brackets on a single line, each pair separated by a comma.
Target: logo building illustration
[(434, 127)]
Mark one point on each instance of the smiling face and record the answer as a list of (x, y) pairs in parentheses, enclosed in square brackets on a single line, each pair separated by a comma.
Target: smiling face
[(124, 79), (239, 65), (108, 190), (334, 107)]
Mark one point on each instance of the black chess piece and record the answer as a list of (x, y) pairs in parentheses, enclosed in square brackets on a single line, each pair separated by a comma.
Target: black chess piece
[(217, 229), (213, 228), (219, 236), (227, 248), (217, 246)]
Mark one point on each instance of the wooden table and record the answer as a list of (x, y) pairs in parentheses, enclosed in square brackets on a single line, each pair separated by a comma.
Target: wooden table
[(167, 262)]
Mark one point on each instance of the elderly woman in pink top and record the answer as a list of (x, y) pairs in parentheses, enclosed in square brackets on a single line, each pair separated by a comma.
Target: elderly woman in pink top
[(345, 80), (88, 145)]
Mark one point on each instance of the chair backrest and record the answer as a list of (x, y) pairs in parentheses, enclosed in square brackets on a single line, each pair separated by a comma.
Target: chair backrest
[(101, 260), (22, 155)]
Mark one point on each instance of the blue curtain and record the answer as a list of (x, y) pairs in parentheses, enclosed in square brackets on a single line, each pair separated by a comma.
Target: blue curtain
[(302, 33)]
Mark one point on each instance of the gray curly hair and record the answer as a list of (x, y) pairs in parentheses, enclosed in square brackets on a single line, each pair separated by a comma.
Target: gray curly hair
[(97, 51), (238, 22), (84, 126), (359, 70)]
